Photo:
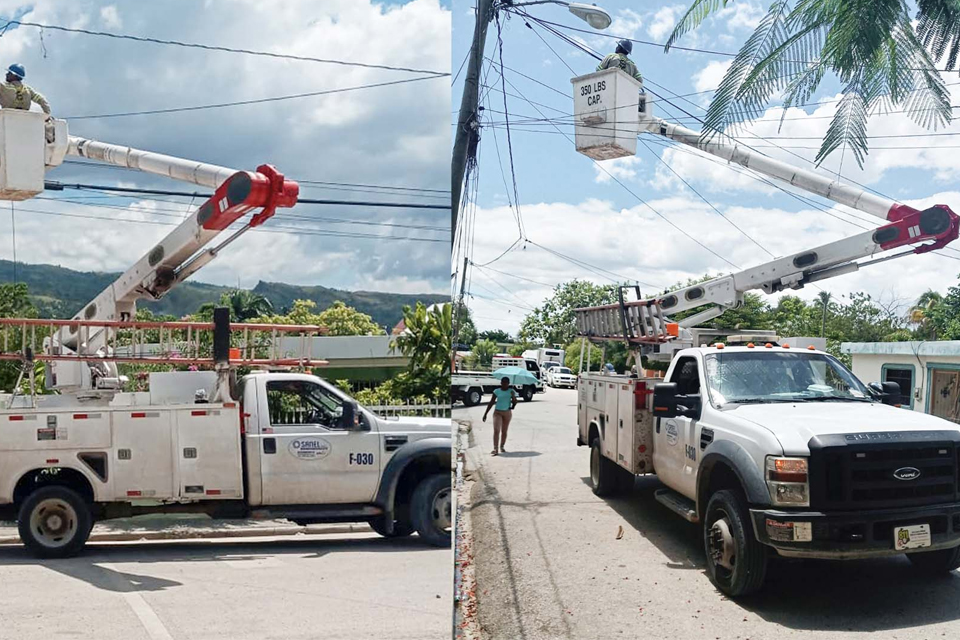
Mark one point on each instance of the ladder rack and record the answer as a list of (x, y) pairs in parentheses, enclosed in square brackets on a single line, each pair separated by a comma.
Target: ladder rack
[(638, 322), (177, 343)]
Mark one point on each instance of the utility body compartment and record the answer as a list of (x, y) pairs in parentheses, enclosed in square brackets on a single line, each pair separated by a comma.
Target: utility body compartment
[(620, 407)]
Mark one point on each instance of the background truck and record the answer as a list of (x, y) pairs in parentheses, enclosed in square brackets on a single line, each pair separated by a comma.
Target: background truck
[(545, 354), (469, 387), (267, 444), (771, 449)]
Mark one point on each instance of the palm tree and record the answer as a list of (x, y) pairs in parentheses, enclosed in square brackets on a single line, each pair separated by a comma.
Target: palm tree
[(243, 305), (920, 312), (870, 45), (426, 340)]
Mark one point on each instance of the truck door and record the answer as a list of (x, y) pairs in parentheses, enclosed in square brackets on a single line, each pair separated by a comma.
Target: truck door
[(306, 457), (674, 453)]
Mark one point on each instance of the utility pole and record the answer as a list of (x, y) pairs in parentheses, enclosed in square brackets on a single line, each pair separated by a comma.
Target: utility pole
[(468, 120), (459, 310)]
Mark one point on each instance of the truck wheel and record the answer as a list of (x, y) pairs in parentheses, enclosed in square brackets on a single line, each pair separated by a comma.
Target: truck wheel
[(54, 522), (472, 397), (430, 509), (736, 561), (934, 562), (401, 527), (527, 394), (603, 478)]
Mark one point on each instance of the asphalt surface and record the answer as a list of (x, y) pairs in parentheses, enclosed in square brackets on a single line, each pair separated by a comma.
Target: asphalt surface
[(355, 586), (548, 563)]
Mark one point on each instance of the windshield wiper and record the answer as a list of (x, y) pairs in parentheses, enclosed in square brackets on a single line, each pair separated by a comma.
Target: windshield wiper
[(829, 398), (759, 400)]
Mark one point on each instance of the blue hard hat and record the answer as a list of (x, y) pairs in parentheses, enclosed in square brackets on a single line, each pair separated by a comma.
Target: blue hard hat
[(626, 45), (17, 70)]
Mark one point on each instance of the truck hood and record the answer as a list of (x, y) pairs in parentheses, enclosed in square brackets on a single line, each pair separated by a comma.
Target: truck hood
[(794, 424), (422, 426)]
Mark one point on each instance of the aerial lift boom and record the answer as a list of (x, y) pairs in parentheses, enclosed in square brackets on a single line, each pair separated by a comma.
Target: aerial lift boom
[(643, 321)]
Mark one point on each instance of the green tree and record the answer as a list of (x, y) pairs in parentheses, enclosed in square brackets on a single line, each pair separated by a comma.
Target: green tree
[(341, 320), (465, 329), (14, 303), (496, 335), (923, 312), (244, 305), (870, 45), (483, 352), (554, 321)]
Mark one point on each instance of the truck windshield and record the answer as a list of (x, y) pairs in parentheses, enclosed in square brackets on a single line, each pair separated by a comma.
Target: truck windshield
[(775, 376)]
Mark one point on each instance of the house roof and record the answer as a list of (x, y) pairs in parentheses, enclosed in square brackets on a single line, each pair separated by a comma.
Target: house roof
[(920, 348)]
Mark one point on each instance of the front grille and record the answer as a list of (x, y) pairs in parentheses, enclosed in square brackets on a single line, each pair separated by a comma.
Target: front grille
[(857, 471)]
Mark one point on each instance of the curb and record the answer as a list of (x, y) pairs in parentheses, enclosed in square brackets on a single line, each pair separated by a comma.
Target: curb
[(180, 534)]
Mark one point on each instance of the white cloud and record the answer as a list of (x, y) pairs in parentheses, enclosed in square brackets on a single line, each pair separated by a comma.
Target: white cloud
[(709, 77), (664, 20), (626, 23), (110, 17), (741, 15), (620, 168)]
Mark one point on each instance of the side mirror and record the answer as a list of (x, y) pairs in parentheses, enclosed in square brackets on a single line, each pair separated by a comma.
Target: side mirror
[(889, 392), (349, 416), (667, 403)]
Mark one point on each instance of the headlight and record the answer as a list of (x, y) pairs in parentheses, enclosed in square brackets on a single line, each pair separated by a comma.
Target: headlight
[(787, 481)]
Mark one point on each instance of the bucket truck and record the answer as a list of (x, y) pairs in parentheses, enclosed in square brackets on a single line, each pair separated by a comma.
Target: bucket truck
[(271, 444), (771, 449)]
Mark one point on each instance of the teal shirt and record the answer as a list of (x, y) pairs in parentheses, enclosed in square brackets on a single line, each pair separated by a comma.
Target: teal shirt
[(504, 399)]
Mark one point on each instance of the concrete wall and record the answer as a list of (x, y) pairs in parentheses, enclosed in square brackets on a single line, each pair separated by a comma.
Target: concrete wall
[(869, 368)]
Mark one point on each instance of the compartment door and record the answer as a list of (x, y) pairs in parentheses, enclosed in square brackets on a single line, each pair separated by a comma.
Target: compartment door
[(625, 429), (610, 419), (142, 464), (208, 452)]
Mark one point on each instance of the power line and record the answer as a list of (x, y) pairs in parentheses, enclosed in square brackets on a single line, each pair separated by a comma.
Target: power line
[(274, 229), (207, 47), (221, 105), (342, 186), (58, 186)]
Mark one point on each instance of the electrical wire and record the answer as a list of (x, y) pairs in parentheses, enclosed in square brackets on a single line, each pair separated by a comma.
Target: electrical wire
[(58, 186), (207, 47), (236, 103)]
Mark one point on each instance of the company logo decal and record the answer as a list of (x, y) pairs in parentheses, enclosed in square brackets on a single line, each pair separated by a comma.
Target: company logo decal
[(309, 448)]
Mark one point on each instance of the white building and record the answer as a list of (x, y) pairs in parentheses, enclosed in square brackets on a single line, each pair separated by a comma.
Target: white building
[(928, 372)]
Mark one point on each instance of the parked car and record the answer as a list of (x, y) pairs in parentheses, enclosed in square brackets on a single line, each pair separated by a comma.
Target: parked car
[(561, 377)]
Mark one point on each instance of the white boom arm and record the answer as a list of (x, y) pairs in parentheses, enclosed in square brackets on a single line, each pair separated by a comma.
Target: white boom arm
[(934, 227), (181, 253)]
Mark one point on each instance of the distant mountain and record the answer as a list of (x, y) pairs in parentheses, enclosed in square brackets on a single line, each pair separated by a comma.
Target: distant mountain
[(60, 292)]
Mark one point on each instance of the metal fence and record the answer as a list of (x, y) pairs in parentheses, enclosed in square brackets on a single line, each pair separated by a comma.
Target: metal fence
[(435, 409)]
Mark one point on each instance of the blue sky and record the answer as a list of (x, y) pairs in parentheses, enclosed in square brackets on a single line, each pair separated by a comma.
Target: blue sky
[(571, 207), (385, 136)]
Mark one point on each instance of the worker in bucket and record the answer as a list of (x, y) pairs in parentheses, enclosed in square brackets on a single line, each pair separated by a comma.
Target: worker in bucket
[(619, 60), (16, 95), (505, 399)]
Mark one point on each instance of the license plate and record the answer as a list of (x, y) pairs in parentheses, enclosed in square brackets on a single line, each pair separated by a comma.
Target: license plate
[(914, 536)]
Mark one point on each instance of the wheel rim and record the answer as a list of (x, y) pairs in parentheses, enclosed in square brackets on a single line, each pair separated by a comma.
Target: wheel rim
[(595, 466), (722, 548), (53, 522), (474, 398), (440, 510)]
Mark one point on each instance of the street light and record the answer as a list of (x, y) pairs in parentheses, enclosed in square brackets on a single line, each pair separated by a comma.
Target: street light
[(589, 13)]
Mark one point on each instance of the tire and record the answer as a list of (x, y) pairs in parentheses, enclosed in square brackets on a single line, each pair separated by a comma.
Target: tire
[(603, 476), (748, 556), (942, 561), (401, 527), (527, 394), (430, 509), (54, 522), (472, 397)]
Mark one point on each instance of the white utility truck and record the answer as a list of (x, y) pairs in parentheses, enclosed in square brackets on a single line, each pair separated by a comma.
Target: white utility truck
[(545, 354), (770, 448), (271, 444)]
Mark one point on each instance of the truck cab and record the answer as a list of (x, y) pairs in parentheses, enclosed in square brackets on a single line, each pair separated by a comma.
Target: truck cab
[(774, 450)]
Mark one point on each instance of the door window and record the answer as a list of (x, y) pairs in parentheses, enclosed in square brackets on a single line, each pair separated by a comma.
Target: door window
[(687, 377), (303, 402)]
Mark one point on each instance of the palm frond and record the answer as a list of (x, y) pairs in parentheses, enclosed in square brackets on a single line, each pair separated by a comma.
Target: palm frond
[(938, 28), (732, 102), (692, 19)]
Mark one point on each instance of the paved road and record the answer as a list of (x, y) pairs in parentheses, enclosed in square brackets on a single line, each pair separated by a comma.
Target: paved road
[(549, 565), (356, 586)]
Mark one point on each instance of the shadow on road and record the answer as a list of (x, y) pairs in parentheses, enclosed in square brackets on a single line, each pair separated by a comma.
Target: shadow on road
[(89, 567), (814, 595), (518, 454)]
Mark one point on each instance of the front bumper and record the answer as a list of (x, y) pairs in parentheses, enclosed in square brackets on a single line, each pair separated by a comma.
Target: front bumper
[(856, 534)]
